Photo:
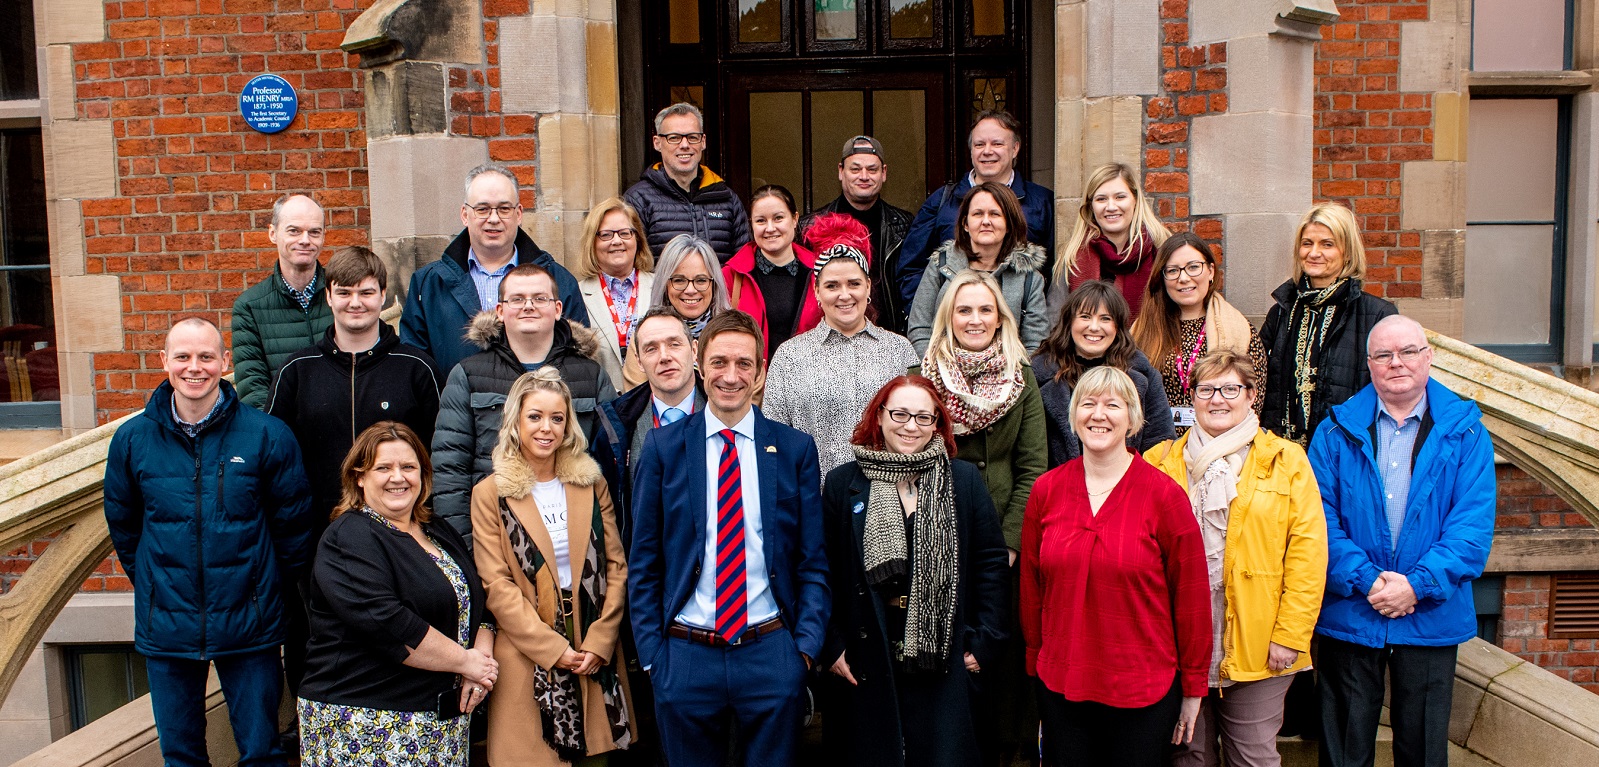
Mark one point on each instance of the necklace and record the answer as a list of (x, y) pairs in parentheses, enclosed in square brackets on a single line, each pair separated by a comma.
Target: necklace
[(1106, 491)]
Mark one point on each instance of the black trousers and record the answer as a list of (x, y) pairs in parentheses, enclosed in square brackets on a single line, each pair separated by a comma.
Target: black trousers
[(1094, 734), (1422, 684)]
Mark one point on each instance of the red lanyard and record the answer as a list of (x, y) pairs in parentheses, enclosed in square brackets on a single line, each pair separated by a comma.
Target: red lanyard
[(632, 305), (1185, 368)]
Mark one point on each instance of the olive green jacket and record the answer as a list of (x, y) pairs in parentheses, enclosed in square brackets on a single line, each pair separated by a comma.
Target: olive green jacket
[(268, 328), (1011, 454)]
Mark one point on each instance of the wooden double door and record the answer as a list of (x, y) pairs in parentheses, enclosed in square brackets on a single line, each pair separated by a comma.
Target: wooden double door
[(784, 83)]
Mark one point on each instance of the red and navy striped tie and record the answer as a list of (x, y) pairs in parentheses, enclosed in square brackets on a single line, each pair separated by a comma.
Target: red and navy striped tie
[(732, 609)]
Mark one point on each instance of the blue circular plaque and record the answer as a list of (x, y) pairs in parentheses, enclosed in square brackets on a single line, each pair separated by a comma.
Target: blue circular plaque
[(268, 103)]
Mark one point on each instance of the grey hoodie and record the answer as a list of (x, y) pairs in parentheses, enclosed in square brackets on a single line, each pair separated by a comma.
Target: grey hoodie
[(1019, 279)]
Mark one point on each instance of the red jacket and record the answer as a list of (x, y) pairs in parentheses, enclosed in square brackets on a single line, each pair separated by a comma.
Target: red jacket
[(750, 301), (1114, 605)]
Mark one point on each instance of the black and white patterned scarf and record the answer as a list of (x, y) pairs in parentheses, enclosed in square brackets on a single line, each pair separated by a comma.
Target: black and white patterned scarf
[(557, 692), (935, 570), (1308, 321)]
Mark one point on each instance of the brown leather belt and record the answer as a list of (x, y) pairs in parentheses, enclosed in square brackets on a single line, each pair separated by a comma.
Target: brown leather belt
[(902, 602), (713, 639)]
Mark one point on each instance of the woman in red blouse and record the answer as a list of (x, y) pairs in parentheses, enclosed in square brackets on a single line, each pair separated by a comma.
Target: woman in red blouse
[(1115, 601)]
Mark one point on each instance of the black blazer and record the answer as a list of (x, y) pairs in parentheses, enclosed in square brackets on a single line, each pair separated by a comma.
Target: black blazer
[(374, 593), (865, 732)]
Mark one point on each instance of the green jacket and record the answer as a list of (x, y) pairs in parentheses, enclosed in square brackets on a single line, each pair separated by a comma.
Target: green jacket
[(1011, 454), (269, 327)]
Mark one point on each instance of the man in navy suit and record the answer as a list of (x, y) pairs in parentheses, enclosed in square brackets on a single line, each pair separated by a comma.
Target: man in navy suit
[(727, 577)]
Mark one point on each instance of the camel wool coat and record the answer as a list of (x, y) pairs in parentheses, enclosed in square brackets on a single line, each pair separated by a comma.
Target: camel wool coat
[(526, 611)]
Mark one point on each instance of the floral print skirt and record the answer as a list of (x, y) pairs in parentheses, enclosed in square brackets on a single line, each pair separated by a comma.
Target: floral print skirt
[(349, 736)]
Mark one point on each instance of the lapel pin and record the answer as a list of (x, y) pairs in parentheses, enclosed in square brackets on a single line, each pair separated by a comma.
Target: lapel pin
[(771, 448), (859, 507)]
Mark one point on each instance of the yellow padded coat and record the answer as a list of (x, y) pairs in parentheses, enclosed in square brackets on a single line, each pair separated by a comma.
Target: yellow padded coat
[(1275, 566)]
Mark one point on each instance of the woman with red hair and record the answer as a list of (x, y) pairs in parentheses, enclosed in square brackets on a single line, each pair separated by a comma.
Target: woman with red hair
[(920, 582)]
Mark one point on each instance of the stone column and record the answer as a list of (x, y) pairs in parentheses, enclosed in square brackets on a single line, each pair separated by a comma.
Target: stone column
[(415, 164), (1252, 165), (80, 164), (1107, 59), (1435, 58), (559, 62)]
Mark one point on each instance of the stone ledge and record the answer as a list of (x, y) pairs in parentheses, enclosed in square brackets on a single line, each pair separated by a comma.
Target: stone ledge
[(126, 738), (1524, 716), (1529, 83)]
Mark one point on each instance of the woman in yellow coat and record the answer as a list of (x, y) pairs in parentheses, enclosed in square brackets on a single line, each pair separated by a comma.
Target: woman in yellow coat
[(1265, 536), (554, 570)]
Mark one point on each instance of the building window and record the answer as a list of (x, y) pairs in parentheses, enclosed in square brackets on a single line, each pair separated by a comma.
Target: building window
[(102, 678), (1574, 606)]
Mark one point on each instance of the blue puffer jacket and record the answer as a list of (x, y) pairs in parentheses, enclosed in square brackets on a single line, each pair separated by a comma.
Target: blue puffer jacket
[(1443, 541), (208, 529), (442, 300), (935, 223)]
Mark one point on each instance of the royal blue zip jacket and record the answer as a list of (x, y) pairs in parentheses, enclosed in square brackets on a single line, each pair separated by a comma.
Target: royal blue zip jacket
[(1443, 541), (209, 528)]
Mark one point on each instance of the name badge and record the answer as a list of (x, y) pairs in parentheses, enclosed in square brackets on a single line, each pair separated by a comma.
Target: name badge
[(1182, 416)]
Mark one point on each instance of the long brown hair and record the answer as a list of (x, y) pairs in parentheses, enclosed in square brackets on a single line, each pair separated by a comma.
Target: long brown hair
[(364, 453), (1009, 206), (1060, 348), (1156, 331)]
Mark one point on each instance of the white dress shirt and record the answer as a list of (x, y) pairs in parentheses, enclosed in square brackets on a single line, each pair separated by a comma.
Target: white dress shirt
[(700, 611)]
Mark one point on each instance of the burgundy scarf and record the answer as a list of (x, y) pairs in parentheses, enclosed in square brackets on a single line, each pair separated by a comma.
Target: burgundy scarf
[(1129, 272)]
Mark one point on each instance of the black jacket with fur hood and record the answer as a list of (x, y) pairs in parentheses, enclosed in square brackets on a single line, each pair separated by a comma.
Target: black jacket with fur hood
[(474, 396)]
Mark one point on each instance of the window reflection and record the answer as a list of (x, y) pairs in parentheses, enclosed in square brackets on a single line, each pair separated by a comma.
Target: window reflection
[(760, 21), (835, 19), (910, 19)]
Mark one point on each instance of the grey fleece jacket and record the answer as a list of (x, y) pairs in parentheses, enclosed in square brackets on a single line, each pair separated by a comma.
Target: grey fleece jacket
[(1019, 279)]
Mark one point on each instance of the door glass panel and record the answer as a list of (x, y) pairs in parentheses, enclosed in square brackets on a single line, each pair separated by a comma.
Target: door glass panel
[(835, 20), (685, 22), (988, 18), (1508, 282), (689, 94), (910, 19), (777, 145), (989, 94), (1512, 146), (760, 21), (842, 116), (1518, 35), (899, 123)]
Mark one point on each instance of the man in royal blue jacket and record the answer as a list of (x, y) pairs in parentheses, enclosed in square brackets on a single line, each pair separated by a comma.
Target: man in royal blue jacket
[(995, 143), (209, 511), (1407, 479), (727, 577), (445, 295)]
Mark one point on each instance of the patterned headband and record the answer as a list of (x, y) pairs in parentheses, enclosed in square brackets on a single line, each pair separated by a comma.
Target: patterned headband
[(841, 251)]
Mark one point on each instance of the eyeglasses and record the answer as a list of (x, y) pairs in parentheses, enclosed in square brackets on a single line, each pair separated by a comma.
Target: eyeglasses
[(606, 235), (673, 139), (1227, 391), (1406, 355), (680, 283), (905, 416), (1193, 269), (483, 211), (537, 302)]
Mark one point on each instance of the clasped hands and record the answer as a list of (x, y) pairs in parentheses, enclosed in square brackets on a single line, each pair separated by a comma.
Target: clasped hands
[(1391, 595), (582, 663), (479, 671)]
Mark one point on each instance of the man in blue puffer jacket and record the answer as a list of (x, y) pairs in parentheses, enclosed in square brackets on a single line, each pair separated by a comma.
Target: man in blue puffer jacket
[(678, 195), (209, 511), (1407, 480)]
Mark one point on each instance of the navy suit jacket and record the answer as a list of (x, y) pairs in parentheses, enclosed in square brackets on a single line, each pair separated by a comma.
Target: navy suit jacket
[(669, 529)]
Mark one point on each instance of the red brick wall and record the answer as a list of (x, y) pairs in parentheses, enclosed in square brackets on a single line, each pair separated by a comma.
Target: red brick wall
[(1524, 503), (1193, 83), (474, 103), (108, 576), (1366, 127), (187, 231)]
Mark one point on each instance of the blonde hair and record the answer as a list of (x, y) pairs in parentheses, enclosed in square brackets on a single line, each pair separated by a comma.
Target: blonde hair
[(1144, 223), (941, 348), (547, 378), (588, 262), (1109, 380), (1339, 220)]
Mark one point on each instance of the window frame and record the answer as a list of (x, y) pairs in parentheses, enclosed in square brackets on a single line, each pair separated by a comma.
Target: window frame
[(72, 662)]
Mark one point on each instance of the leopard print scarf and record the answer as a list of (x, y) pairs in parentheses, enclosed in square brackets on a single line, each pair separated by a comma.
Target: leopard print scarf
[(557, 691)]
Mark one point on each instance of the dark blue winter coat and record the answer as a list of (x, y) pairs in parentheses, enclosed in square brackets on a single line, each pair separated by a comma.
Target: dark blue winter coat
[(442, 300), (935, 223), (1445, 536), (208, 529)]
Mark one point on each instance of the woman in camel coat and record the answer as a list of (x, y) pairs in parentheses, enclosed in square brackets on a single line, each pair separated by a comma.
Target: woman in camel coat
[(555, 573)]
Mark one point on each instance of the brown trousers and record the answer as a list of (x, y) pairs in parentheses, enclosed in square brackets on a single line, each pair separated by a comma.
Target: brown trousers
[(1245, 717)]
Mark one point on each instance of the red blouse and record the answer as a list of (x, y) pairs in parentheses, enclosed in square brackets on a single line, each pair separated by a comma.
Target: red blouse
[(1114, 605)]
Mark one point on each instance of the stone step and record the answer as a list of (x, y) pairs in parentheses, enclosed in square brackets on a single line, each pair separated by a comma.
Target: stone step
[(1302, 753)]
